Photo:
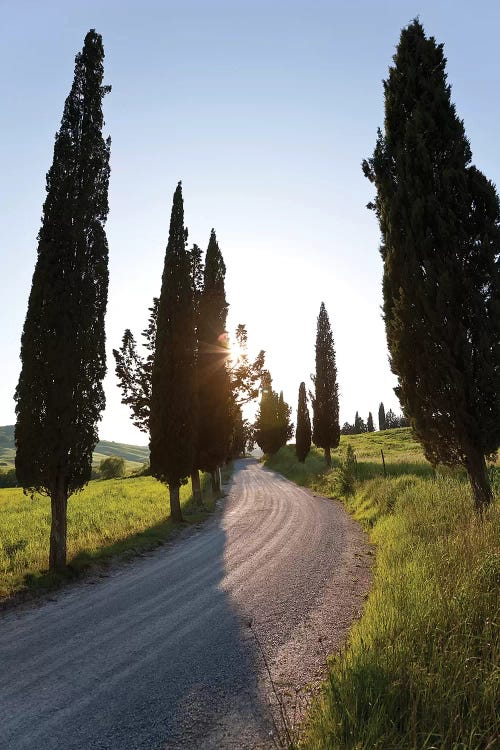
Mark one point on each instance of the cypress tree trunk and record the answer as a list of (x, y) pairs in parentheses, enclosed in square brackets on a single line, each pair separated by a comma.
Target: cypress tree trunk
[(175, 504), (328, 457), (479, 479), (58, 504), (196, 487), (215, 483)]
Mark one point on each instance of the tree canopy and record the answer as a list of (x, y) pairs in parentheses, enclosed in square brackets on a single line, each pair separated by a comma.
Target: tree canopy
[(440, 223), (59, 396), (325, 399), (173, 383)]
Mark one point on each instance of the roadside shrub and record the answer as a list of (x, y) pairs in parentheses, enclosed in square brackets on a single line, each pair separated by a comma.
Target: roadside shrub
[(347, 473), (8, 478), (112, 467)]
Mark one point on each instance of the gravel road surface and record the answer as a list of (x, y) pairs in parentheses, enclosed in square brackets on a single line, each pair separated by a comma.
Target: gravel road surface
[(160, 655)]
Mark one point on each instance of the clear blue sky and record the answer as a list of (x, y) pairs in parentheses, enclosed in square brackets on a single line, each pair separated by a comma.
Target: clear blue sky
[(265, 111)]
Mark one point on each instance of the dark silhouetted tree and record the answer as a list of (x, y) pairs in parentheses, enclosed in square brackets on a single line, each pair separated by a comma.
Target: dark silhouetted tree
[(303, 432), (359, 425), (214, 383), (440, 223), (272, 427), (381, 417), (325, 400), (134, 371), (173, 385), (369, 424), (59, 395)]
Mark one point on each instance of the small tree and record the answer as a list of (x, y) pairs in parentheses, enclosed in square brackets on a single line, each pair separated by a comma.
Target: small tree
[(303, 433), (369, 426), (272, 427), (60, 395), (112, 467), (134, 371), (440, 223), (359, 425), (173, 383), (325, 400), (381, 417)]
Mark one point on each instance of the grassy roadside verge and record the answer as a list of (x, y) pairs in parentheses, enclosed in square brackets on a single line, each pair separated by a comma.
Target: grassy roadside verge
[(421, 670), (107, 519)]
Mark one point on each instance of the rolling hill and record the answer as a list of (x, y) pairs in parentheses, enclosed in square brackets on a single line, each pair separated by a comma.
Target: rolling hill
[(133, 454)]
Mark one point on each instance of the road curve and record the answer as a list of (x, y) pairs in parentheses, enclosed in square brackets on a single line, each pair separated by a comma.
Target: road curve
[(159, 654)]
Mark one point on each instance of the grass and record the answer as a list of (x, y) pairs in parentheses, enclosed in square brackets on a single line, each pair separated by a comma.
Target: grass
[(134, 455), (106, 519), (421, 670)]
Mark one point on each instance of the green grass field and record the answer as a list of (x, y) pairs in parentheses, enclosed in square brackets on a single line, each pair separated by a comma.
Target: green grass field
[(134, 455), (422, 668), (105, 519)]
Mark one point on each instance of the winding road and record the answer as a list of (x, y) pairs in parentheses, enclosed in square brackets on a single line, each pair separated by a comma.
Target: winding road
[(163, 652)]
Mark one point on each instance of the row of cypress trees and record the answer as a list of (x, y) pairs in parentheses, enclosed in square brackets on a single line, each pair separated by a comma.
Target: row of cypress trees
[(191, 405), (325, 431), (182, 392)]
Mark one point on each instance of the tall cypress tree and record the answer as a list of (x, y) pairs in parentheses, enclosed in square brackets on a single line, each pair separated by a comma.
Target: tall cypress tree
[(369, 424), (440, 223), (303, 432), (381, 417), (172, 421), (59, 395), (325, 400), (214, 384)]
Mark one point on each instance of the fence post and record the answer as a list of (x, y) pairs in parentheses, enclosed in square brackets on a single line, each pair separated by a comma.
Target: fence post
[(383, 461)]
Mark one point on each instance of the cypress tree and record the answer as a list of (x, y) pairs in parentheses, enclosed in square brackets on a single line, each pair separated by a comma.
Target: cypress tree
[(369, 424), (59, 395), (440, 224), (214, 385), (303, 432), (325, 400), (381, 417), (173, 383), (272, 426), (284, 412)]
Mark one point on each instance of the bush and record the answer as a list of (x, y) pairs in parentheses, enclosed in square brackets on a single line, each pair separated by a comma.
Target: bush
[(347, 473), (8, 478), (112, 467)]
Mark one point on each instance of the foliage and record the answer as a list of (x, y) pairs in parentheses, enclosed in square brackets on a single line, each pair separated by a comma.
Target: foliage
[(303, 433), (325, 400), (215, 423), (272, 426), (369, 423), (440, 223), (347, 473), (381, 417), (245, 374), (59, 394), (8, 478), (112, 467), (173, 381), (134, 371)]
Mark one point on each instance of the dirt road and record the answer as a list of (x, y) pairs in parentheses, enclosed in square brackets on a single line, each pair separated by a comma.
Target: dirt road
[(159, 654)]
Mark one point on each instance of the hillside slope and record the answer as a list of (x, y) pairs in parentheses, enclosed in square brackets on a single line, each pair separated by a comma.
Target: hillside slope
[(138, 454)]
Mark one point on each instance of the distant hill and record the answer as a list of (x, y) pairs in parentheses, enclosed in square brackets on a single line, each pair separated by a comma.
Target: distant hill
[(136, 454)]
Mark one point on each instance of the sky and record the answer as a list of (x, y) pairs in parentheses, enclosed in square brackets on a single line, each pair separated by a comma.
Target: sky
[(265, 111)]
